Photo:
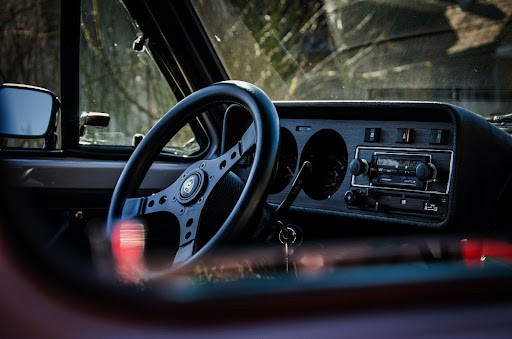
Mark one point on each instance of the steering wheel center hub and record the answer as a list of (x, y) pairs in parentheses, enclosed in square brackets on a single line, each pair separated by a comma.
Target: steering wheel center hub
[(191, 187)]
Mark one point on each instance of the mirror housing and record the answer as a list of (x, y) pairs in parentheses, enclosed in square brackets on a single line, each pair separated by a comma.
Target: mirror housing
[(27, 112)]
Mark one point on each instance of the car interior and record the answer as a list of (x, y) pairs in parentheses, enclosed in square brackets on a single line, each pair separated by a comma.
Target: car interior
[(240, 168)]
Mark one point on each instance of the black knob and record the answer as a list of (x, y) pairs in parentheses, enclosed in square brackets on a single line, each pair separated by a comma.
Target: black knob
[(425, 172), (354, 197), (358, 167)]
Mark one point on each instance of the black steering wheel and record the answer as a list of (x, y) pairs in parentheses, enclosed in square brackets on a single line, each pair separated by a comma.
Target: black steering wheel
[(186, 197)]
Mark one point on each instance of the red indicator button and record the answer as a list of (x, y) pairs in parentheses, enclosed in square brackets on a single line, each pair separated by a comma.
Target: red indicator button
[(404, 135)]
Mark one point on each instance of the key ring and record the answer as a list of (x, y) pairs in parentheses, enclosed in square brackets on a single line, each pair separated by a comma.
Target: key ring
[(289, 238)]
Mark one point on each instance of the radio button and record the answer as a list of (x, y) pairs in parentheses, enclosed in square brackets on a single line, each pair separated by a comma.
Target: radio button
[(410, 181), (406, 172)]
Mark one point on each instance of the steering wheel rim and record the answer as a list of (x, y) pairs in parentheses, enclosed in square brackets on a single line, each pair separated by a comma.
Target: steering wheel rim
[(263, 135)]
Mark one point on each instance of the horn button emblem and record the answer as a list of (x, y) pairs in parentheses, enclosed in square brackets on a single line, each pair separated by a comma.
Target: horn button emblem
[(191, 186)]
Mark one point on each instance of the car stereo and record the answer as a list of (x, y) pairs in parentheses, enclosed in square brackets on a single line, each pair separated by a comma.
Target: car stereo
[(400, 180)]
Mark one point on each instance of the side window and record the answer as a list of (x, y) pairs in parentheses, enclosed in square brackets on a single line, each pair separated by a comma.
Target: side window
[(120, 78), (30, 38)]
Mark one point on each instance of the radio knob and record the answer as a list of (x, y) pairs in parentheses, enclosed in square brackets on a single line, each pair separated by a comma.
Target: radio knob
[(426, 172), (354, 197), (358, 167)]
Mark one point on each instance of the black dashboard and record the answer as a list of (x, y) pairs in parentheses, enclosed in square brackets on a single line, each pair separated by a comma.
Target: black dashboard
[(425, 165), (422, 164)]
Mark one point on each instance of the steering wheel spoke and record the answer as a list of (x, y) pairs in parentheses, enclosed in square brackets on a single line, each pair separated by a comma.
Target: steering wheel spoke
[(248, 140), (163, 201), (185, 252), (217, 168), (188, 219), (133, 207)]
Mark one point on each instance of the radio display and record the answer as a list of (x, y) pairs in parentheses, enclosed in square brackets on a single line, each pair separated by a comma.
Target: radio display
[(398, 162)]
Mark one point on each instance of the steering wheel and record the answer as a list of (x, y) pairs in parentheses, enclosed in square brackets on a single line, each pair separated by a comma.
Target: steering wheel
[(186, 197)]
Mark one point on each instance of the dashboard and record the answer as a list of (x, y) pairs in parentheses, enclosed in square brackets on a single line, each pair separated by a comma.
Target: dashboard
[(427, 165), (423, 164)]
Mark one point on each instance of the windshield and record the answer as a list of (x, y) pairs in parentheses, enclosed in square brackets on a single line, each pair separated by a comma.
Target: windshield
[(452, 51)]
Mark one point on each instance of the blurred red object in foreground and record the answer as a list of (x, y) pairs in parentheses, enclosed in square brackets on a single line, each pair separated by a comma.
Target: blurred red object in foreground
[(128, 241), (475, 252)]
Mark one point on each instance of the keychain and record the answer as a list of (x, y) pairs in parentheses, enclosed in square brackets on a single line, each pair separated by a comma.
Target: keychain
[(291, 237)]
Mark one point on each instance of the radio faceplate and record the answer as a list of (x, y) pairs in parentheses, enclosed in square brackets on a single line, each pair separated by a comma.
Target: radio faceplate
[(416, 170), (406, 181)]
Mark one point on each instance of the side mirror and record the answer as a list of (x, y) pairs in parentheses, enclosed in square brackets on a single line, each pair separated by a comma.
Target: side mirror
[(27, 111)]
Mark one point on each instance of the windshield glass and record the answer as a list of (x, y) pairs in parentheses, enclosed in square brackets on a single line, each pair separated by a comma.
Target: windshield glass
[(451, 51)]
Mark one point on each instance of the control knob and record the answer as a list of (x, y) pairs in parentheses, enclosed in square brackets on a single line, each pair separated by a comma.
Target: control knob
[(426, 172), (358, 167), (354, 197)]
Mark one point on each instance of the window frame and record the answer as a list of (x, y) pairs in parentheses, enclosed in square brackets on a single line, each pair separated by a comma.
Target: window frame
[(186, 69), (70, 83)]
